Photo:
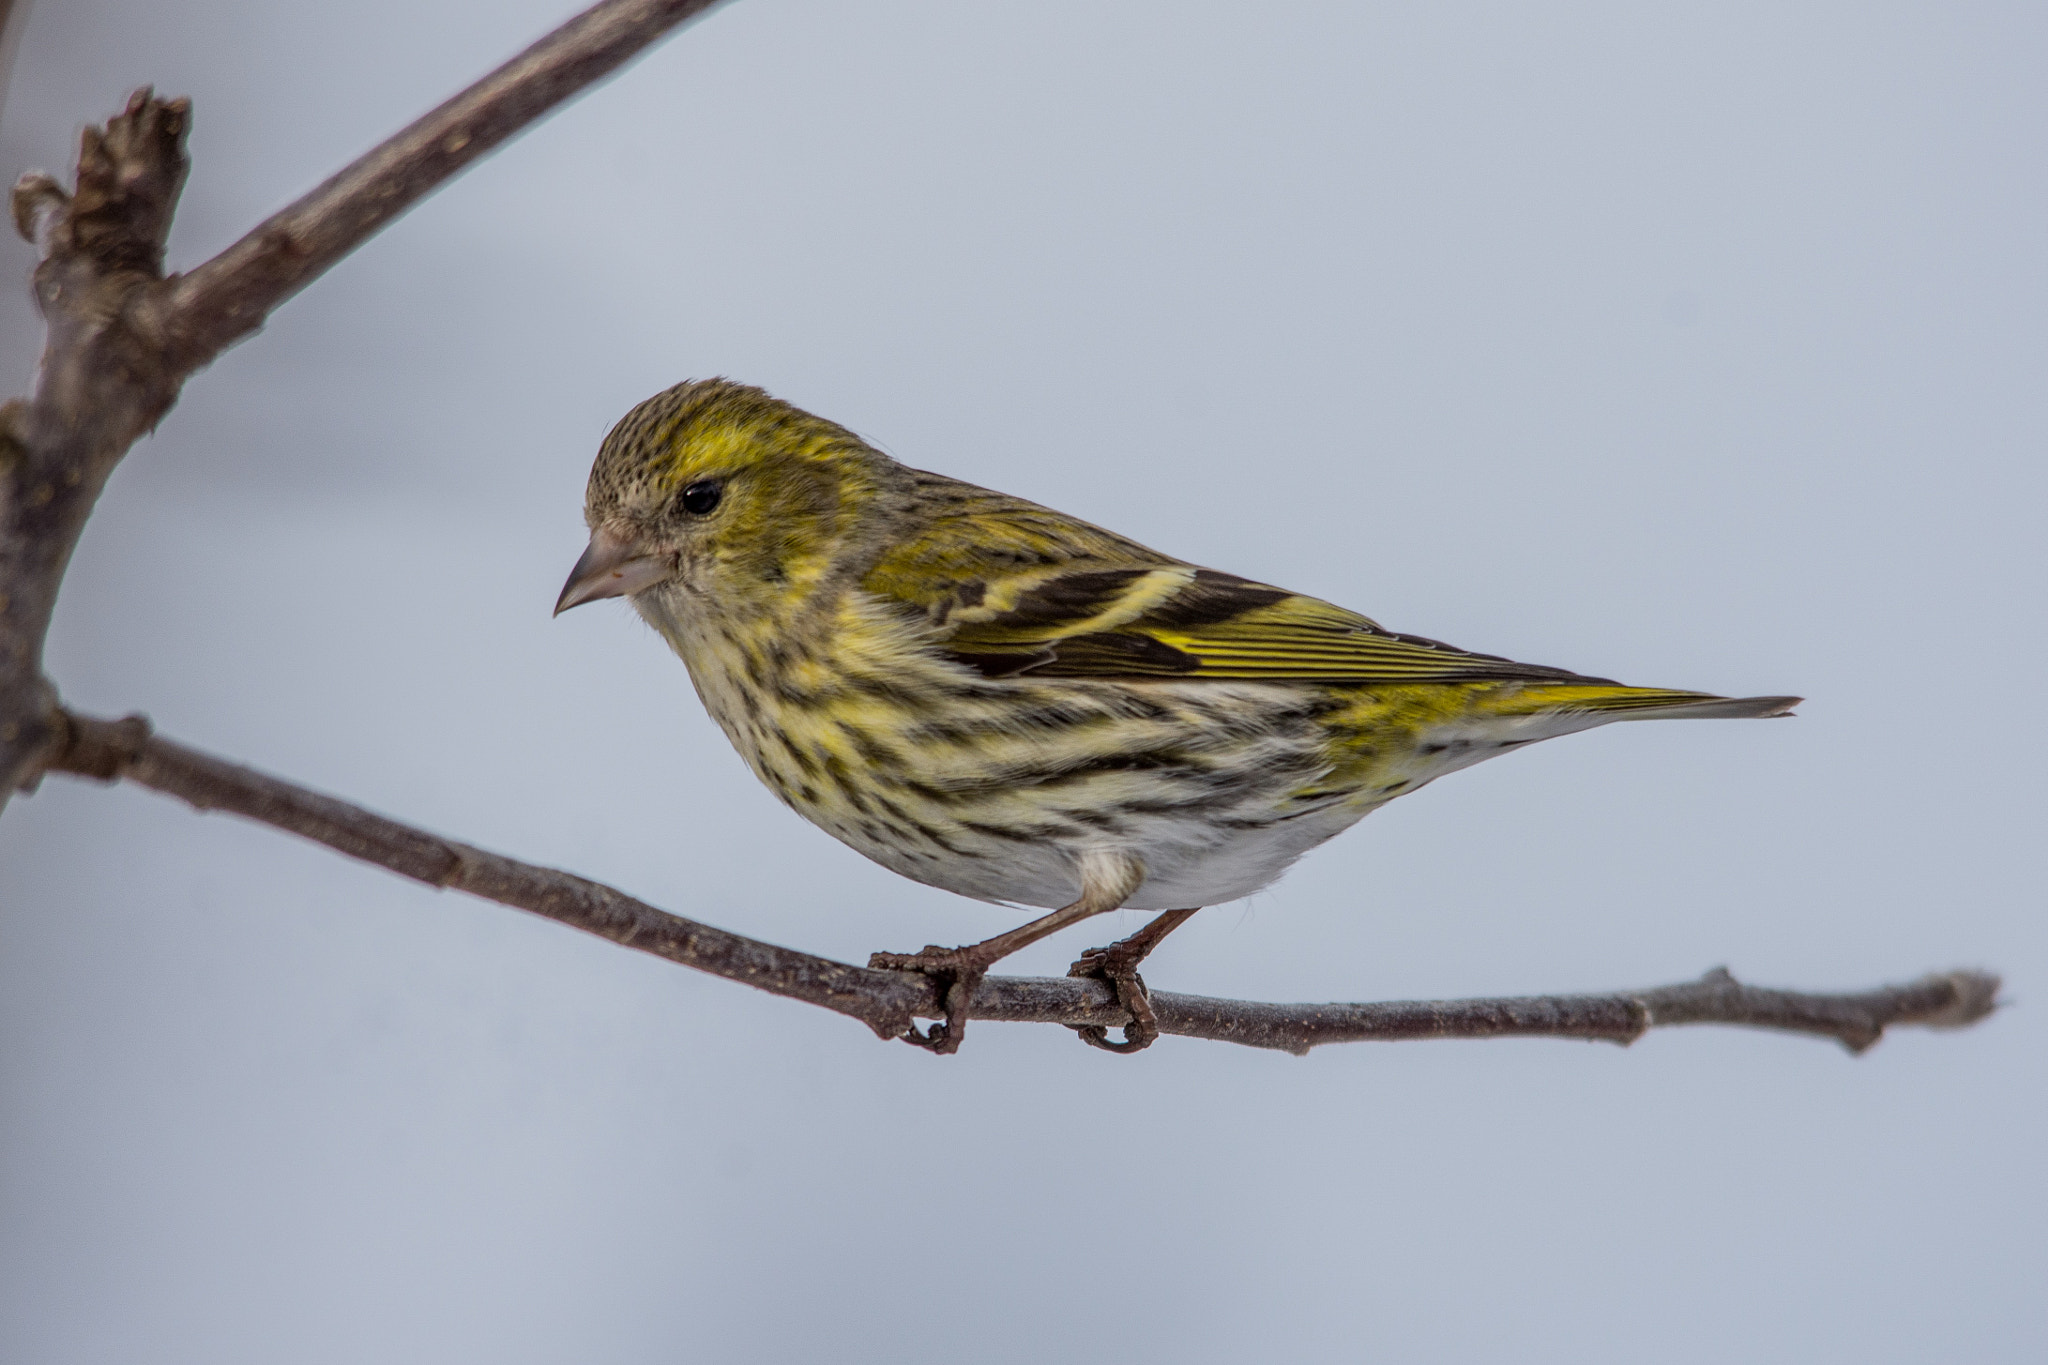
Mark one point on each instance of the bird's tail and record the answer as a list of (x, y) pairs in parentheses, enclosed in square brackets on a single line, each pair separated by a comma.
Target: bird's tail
[(1496, 717), (1611, 701)]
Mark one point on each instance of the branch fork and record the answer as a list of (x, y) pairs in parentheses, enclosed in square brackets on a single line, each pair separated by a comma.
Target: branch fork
[(123, 339)]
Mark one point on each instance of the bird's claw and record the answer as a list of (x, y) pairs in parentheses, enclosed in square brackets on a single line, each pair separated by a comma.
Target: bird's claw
[(1120, 971), (957, 973)]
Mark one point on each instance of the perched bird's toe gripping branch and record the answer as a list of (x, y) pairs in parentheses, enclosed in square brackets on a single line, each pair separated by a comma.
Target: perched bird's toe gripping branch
[(1107, 881), (957, 973), (1118, 966)]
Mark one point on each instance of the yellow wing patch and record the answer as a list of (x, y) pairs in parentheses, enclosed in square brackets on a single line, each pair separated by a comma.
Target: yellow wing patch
[(1013, 589), (1179, 621)]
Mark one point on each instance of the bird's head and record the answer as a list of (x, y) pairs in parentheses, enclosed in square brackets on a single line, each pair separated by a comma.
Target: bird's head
[(714, 494)]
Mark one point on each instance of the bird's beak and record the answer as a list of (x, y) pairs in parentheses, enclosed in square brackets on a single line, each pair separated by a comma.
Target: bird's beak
[(613, 566)]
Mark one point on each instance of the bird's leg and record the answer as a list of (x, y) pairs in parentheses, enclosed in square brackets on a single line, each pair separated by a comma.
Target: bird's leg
[(1118, 965), (1106, 882)]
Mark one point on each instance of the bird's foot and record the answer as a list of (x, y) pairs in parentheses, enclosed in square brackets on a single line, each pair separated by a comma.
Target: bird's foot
[(956, 972), (1118, 966)]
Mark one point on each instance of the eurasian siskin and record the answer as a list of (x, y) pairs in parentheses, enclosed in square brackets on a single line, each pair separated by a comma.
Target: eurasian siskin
[(995, 698)]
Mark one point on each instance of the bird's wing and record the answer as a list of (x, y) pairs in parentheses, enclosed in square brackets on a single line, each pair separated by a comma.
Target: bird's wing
[(1177, 621), (1017, 590)]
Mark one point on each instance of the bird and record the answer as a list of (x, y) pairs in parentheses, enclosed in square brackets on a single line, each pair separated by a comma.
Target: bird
[(1006, 702)]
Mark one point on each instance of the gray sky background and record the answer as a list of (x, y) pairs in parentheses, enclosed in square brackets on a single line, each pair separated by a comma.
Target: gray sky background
[(1696, 345)]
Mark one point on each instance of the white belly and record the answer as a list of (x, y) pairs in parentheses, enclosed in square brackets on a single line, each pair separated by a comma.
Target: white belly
[(1182, 873), (1188, 862)]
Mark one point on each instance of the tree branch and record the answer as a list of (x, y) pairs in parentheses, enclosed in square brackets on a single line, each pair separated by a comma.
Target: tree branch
[(228, 297), (122, 339), (888, 1001)]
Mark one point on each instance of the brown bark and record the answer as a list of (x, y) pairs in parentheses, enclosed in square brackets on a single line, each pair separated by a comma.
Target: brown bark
[(122, 339), (887, 1001)]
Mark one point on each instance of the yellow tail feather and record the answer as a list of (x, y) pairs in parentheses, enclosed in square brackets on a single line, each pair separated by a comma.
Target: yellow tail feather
[(1648, 703)]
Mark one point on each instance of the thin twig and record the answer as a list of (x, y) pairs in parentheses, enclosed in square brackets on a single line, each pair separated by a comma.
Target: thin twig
[(888, 1001), (228, 297), (122, 339)]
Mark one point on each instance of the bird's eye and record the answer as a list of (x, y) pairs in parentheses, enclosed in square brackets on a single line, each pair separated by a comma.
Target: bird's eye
[(701, 498)]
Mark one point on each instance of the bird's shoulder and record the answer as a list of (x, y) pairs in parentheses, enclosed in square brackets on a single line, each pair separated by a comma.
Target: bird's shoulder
[(1011, 588)]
